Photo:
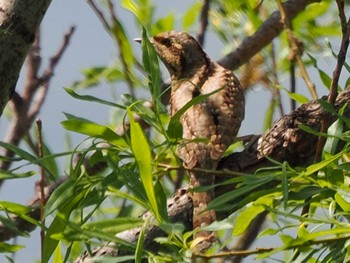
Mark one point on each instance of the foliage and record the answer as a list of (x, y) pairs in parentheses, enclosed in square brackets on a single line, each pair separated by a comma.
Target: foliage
[(91, 208)]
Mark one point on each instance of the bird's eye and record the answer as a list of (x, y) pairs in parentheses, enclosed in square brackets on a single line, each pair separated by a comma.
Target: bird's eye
[(166, 42)]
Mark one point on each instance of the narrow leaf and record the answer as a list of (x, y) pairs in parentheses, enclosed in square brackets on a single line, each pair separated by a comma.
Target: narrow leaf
[(94, 130), (142, 153), (151, 64), (92, 99), (285, 187)]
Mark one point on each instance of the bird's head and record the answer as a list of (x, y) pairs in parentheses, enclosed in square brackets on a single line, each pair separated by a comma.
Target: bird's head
[(180, 53)]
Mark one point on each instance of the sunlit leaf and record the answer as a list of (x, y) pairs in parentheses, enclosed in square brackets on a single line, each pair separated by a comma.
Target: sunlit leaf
[(94, 130), (143, 159), (245, 218), (8, 175), (151, 65), (342, 197), (92, 99), (115, 225), (21, 153), (9, 248)]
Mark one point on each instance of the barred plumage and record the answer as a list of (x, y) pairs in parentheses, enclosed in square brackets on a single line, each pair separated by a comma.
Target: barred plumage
[(216, 120)]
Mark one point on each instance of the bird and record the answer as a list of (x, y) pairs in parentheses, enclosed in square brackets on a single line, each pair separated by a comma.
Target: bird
[(209, 126)]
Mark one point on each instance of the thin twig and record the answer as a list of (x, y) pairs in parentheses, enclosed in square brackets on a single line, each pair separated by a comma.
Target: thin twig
[(203, 22), (256, 251), (293, 104), (42, 184), (334, 86), (27, 106), (275, 91), (99, 14), (342, 52), (345, 26), (45, 79), (296, 50)]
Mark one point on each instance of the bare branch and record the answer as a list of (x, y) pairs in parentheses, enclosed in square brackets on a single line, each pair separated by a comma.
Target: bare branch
[(27, 106), (203, 22), (45, 79), (296, 49)]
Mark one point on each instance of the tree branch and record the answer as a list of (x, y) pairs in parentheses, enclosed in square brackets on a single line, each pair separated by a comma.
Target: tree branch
[(19, 20), (270, 29), (27, 106)]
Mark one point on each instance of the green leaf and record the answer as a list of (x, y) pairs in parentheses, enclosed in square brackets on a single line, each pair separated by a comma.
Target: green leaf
[(143, 158), (326, 80), (151, 65), (229, 197), (318, 166), (19, 210), (126, 52), (143, 11), (245, 218), (60, 197), (14, 208), (8, 248), (175, 130), (342, 197), (163, 24), (8, 175), (139, 248), (175, 120), (130, 197), (269, 114), (94, 130), (285, 186), (92, 99), (59, 224), (94, 75), (76, 232), (146, 113), (162, 200), (21, 153), (309, 130), (131, 180), (191, 16), (57, 257), (327, 106), (335, 130), (329, 45), (300, 98), (115, 225)]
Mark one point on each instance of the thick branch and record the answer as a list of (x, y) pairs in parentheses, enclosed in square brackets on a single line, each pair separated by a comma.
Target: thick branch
[(19, 20)]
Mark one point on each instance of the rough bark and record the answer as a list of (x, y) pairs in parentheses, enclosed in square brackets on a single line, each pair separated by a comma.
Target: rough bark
[(19, 20)]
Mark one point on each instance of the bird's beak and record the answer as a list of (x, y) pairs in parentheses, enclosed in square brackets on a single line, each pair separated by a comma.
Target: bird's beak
[(139, 40)]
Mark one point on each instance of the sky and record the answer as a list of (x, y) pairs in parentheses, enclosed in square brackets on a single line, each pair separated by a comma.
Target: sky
[(92, 46)]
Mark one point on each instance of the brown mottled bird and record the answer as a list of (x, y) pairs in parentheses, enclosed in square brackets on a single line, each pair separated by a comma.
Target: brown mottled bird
[(216, 120)]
